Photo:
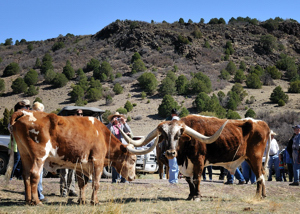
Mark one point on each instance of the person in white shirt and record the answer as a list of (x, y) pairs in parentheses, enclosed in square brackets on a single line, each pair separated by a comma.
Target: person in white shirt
[(273, 158)]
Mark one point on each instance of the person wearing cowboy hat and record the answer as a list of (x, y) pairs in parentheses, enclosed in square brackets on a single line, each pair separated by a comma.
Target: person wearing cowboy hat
[(273, 158), (118, 120), (26, 103)]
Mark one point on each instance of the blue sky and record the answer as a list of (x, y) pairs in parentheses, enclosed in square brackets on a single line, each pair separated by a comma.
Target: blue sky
[(36, 20)]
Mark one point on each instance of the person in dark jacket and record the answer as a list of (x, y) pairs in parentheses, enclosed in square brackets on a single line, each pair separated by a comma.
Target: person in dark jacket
[(289, 155), (296, 155)]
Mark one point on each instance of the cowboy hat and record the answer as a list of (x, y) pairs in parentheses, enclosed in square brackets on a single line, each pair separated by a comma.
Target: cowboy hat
[(117, 114), (26, 102)]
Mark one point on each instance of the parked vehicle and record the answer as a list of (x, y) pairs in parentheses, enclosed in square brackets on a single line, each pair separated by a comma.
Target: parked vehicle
[(146, 163), (4, 158)]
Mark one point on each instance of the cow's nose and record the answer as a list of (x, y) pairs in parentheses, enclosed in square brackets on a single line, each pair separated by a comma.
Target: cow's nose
[(171, 153)]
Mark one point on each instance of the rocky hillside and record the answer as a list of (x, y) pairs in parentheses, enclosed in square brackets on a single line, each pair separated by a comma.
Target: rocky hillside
[(161, 46)]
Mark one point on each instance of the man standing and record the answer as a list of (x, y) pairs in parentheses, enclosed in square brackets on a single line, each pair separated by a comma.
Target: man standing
[(67, 176), (296, 157), (173, 166), (274, 158), (289, 155)]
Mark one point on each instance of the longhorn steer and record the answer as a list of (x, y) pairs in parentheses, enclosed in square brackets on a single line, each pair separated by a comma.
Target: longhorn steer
[(240, 140), (81, 143)]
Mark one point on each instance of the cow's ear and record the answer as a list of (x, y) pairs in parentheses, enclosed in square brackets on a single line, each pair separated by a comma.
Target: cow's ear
[(185, 137), (161, 138)]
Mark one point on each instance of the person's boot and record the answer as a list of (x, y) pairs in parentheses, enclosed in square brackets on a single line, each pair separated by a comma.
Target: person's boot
[(294, 184)]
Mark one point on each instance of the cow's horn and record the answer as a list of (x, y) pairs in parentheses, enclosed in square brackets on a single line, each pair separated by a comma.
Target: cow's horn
[(203, 138), (141, 142), (142, 152)]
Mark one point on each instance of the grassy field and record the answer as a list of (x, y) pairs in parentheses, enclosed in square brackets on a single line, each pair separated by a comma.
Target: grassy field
[(151, 195)]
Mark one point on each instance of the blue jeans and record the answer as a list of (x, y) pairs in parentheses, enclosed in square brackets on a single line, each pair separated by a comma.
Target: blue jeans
[(248, 173), (116, 176), (296, 169), (209, 169), (40, 187), (274, 160), (237, 174), (173, 171), (15, 170)]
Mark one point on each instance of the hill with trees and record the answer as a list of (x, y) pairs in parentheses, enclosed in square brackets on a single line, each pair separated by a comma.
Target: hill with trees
[(243, 68)]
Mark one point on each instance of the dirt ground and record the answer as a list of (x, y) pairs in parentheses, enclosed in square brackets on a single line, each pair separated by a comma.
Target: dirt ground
[(148, 194)]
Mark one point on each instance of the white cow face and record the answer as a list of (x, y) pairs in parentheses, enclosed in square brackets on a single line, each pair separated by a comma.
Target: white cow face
[(171, 132), (127, 167)]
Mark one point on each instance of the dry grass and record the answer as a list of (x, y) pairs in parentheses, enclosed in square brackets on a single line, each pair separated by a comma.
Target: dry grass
[(151, 195)]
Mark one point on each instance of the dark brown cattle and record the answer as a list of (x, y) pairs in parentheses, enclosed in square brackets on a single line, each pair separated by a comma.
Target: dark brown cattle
[(240, 140), (81, 143)]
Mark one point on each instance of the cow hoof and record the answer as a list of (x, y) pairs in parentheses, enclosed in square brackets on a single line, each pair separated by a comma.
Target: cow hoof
[(34, 203), (94, 202), (81, 202), (197, 199)]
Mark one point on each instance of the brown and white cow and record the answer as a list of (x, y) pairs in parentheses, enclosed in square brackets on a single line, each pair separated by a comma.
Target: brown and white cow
[(81, 143), (229, 146)]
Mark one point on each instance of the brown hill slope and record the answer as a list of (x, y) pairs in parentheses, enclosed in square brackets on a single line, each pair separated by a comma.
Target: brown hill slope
[(160, 48)]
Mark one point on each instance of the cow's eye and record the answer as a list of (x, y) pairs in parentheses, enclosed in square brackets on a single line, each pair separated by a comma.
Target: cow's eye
[(132, 161), (177, 136)]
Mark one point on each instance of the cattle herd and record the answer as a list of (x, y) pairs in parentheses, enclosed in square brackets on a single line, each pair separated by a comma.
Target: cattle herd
[(87, 145)]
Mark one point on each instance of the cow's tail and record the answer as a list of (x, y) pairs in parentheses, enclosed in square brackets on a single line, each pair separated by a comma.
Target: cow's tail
[(11, 160), (266, 170), (13, 119), (16, 116)]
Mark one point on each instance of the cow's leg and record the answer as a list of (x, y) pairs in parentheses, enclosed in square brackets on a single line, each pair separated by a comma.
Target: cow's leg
[(261, 186), (26, 178), (196, 181), (82, 183), (96, 183), (192, 188), (256, 167), (160, 169), (197, 194), (34, 180), (167, 171), (263, 183)]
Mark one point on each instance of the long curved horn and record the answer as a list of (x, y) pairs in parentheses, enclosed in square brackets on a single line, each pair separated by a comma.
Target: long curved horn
[(203, 138), (142, 152), (141, 142)]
